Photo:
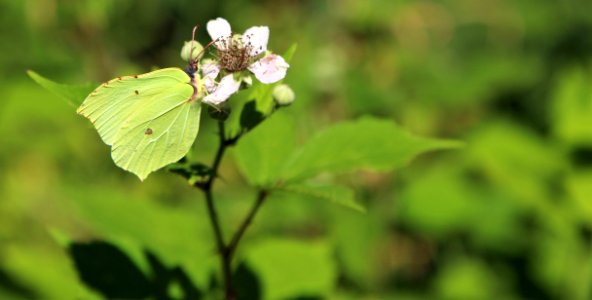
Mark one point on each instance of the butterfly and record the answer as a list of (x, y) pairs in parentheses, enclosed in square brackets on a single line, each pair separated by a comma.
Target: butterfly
[(149, 120)]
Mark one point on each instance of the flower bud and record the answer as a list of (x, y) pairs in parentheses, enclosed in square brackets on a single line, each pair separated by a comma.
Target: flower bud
[(283, 95), (197, 48)]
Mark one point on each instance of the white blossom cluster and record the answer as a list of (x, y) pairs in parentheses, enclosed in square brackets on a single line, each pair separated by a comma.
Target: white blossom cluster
[(238, 56)]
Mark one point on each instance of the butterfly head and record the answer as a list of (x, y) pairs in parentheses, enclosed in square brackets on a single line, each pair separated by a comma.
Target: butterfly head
[(188, 53), (193, 60), (190, 70)]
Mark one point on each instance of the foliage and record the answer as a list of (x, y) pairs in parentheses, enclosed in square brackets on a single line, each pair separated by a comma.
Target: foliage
[(506, 216)]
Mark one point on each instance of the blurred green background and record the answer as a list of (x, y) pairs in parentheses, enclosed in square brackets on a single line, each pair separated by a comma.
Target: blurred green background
[(509, 216)]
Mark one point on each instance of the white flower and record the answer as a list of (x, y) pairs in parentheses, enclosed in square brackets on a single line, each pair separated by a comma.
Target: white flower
[(270, 69), (209, 70), (237, 53), (228, 85), (219, 29)]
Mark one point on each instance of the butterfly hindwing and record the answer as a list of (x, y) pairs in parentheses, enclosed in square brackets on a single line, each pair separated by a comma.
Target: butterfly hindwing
[(148, 141), (148, 119)]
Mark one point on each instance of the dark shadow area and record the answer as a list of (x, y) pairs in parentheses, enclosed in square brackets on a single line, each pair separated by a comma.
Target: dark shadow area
[(246, 283), (11, 285), (108, 270)]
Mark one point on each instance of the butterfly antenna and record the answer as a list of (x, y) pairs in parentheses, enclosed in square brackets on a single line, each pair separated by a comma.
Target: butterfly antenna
[(193, 62), (193, 37), (208, 45)]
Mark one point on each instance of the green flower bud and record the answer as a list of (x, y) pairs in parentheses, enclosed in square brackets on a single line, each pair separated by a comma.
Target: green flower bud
[(283, 95), (197, 48)]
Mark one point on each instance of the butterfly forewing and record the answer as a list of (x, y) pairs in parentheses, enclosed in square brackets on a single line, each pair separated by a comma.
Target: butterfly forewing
[(112, 103), (147, 119)]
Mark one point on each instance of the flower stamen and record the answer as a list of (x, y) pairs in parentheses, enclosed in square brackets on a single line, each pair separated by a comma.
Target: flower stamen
[(233, 55)]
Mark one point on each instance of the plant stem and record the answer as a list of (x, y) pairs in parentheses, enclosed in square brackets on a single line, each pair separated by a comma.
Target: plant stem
[(221, 247), (213, 215), (226, 251), (245, 224), (219, 153), (208, 191)]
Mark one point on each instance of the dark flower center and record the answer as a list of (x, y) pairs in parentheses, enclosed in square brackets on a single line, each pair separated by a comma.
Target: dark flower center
[(234, 55)]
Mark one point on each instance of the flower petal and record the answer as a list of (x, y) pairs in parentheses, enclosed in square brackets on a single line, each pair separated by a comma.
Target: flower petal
[(227, 86), (219, 29), (257, 37), (270, 68), (210, 71)]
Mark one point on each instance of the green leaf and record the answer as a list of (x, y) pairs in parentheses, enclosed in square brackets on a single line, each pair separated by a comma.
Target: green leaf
[(580, 191), (250, 116), (290, 268), (262, 153), (368, 143), (334, 193), (262, 93), (456, 205), (515, 159), (108, 270), (571, 108), (237, 105), (463, 278), (289, 54), (245, 282), (116, 215), (192, 172), (44, 272), (265, 156), (73, 94), (355, 238)]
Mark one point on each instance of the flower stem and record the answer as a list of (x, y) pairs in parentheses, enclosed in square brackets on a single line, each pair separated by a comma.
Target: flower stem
[(219, 152), (213, 215), (245, 224), (226, 251), (220, 245)]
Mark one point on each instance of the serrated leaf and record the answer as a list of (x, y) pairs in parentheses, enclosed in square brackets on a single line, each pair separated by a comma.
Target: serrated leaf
[(262, 153), (368, 143), (72, 94), (336, 194)]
